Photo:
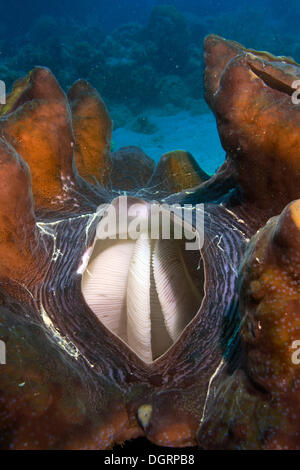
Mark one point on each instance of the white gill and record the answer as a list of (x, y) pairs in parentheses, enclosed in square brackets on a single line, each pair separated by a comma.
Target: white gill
[(143, 291)]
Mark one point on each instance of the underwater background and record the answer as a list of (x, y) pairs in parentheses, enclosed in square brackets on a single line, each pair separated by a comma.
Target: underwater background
[(144, 57)]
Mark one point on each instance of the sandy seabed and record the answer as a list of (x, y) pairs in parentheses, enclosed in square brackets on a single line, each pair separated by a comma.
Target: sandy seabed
[(196, 134)]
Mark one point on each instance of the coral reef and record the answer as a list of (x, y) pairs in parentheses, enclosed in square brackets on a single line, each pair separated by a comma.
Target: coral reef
[(109, 340), (137, 66), (168, 31)]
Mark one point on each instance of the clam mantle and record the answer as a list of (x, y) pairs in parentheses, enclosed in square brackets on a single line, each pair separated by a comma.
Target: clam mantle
[(107, 342)]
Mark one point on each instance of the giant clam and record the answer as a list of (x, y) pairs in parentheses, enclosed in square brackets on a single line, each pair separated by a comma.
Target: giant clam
[(109, 340)]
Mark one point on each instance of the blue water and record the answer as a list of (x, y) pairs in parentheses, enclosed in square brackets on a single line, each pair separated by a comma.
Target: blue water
[(145, 59), (19, 16)]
